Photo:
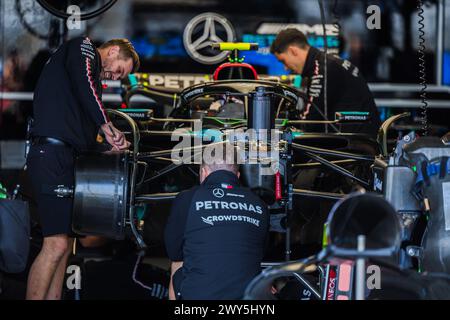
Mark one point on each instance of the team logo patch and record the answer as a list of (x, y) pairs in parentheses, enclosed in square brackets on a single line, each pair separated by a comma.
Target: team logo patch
[(211, 220), (207, 221), (218, 193), (235, 195)]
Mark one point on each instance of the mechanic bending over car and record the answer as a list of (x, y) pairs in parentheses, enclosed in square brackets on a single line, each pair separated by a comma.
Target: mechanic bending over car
[(346, 88), (68, 113), (215, 235)]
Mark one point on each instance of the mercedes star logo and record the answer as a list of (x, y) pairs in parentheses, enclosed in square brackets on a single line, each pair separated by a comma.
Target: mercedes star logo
[(213, 28), (218, 193)]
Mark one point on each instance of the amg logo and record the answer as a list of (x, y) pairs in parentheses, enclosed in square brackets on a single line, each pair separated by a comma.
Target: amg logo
[(317, 29)]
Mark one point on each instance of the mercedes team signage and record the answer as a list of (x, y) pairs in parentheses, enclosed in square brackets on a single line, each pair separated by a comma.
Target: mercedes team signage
[(204, 30)]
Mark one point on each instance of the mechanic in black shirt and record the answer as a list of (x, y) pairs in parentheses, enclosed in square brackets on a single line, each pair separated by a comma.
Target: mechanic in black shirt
[(68, 114), (346, 88), (215, 236)]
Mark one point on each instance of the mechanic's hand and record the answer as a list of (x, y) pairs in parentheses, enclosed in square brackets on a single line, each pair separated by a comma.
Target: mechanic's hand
[(115, 137)]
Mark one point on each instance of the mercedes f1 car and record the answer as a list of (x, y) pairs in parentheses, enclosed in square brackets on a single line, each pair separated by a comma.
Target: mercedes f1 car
[(116, 192)]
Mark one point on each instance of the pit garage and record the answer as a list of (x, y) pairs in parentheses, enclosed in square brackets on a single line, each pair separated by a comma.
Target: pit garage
[(335, 113)]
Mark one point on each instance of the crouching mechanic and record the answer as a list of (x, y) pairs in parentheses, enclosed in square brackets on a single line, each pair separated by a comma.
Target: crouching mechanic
[(215, 236), (68, 114)]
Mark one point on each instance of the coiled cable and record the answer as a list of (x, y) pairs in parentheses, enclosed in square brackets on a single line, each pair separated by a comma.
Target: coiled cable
[(422, 69)]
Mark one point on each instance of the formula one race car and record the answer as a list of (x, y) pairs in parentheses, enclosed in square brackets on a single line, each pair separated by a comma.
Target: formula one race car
[(209, 114), (308, 180)]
